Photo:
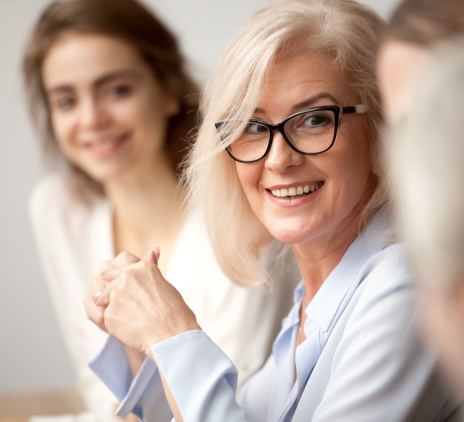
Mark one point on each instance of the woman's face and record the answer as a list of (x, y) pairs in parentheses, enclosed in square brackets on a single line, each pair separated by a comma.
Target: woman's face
[(108, 111), (399, 66), (343, 175)]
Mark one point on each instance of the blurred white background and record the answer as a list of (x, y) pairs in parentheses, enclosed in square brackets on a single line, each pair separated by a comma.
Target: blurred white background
[(32, 354)]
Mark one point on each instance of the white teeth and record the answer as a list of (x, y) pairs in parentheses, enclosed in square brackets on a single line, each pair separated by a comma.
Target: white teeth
[(300, 190), (106, 144), (103, 144)]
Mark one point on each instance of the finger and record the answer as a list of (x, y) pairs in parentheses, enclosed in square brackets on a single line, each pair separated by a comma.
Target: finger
[(103, 299), (111, 273), (123, 259), (126, 258), (152, 255), (96, 285), (94, 313)]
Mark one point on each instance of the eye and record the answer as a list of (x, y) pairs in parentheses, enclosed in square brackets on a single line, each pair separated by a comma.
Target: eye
[(315, 119), (119, 90), (310, 121), (62, 103), (253, 128)]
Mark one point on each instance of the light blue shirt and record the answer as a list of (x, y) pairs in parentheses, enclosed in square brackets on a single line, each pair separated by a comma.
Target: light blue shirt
[(361, 360)]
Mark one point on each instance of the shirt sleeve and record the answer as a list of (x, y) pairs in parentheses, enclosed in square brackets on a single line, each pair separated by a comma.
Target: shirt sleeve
[(381, 370), (202, 379), (142, 395)]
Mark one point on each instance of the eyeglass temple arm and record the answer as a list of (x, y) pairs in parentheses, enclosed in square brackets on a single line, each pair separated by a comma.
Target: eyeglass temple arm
[(358, 109)]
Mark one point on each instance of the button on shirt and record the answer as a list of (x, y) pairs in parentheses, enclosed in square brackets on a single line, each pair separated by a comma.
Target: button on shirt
[(361, 360)]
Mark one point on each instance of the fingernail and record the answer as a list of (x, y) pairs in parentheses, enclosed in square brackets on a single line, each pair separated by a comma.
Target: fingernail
[(97, 296)]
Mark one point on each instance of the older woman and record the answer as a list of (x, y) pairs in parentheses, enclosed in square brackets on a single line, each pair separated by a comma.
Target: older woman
[(287, 150)]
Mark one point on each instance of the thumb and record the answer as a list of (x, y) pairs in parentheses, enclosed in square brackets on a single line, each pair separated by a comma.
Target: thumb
[(152, 255)]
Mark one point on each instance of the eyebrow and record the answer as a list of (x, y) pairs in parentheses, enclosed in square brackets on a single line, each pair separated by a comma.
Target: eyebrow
[(108, 77), (308, 103)]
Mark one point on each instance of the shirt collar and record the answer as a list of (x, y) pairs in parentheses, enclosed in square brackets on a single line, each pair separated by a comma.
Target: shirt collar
[(345, 278)]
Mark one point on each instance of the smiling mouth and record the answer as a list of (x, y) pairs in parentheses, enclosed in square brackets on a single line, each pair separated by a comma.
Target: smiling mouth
[(107, 143), (295, 192)]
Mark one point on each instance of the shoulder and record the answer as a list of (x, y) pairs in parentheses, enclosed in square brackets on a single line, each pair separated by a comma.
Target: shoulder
[(58, 191), (51, 189), (55, 202), (386, 271)]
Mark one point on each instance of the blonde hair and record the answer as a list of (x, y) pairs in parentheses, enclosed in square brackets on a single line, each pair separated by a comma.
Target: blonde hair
[(345, 32), (426, 158)]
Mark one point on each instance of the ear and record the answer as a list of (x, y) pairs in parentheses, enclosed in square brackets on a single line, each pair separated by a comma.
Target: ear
[(172, 104)]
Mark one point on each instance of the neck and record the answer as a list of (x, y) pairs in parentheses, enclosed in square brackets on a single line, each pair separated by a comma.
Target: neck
[(317, 259), (147, 210)]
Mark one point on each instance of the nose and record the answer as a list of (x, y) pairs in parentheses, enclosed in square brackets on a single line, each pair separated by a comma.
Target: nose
[(282, 156), (93, 115)]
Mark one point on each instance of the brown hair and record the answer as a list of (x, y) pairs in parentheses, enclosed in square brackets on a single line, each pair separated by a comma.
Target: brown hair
[(425, 22), (129, 21)]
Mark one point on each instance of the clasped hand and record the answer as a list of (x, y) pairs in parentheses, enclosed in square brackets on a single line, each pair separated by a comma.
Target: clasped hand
[(137, 305)]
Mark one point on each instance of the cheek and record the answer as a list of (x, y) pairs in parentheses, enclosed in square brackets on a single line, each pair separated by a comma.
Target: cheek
[(62, 129), (248, 175)]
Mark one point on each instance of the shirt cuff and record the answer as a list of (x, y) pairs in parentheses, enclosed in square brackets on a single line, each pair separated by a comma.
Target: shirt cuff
[(142, 395), (202, 379)]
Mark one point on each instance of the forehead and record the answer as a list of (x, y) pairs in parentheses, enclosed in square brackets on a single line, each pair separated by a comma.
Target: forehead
[(293, 78), (78, 57)]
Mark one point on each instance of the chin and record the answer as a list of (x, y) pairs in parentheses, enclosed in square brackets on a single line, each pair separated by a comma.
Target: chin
[(287, 236), (290, 230)]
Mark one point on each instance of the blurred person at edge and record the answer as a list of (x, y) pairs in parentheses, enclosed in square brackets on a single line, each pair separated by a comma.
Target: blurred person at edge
[(108, 89), (421, 74), (430, 202), (287, 150)]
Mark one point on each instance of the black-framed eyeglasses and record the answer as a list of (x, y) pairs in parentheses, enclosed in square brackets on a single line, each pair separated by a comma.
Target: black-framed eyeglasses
[(309, 132)]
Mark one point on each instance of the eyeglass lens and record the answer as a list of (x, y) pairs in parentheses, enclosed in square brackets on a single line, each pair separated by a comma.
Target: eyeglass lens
[(310, 132)]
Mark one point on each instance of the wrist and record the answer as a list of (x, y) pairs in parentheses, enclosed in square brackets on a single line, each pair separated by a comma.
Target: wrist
[(149, 345)]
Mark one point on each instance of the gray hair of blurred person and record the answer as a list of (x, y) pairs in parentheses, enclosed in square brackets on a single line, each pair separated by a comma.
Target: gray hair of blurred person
[(128, 20), (426, 161), (426, 22), (342, 31)]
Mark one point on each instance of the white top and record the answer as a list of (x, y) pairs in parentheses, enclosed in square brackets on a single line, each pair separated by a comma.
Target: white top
[(74, 237), (362, 360)]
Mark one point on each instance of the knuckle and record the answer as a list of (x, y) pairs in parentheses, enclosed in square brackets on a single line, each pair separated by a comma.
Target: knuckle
[(105, 265), (127, 258), (114, 296)]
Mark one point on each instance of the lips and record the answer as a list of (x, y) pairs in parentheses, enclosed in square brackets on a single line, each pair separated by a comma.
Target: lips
[(107, 145)]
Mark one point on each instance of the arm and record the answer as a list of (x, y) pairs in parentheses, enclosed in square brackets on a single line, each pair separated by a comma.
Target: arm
[(124, 370), (199, 380)]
